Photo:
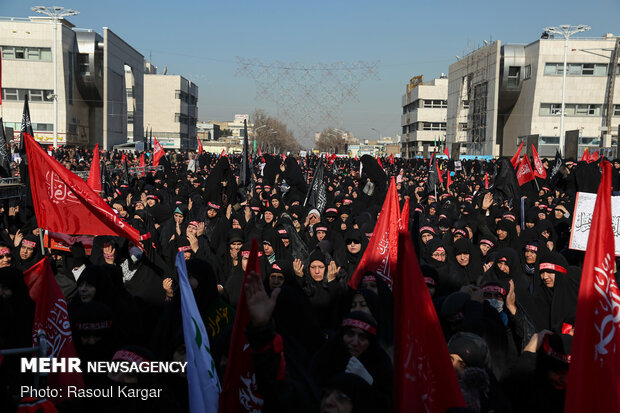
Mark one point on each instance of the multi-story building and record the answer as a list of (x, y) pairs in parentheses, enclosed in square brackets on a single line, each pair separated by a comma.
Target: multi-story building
[(500, 94), (170, 110), (93, 73), (424, 116)]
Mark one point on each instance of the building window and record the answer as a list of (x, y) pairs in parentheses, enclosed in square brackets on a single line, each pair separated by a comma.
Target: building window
[(550, 109), (9, 94), (577, 69), (179, 94), (588, 110), (466, 104), (43, 127), (478, 131), (72, 129), (26, 53), (616, 110), (35, 95), (570, 109), (130, 117), (435, 103), (548, 140), (130, 92), (554, 68), (434, 126), (514, 76), (463, 126), (527, 72)]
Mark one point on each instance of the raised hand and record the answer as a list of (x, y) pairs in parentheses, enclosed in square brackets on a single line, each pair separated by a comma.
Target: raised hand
[(298, 267), (260, 305)]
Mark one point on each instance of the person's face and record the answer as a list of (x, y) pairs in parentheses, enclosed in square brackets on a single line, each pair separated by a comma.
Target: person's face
[(545, 234), (558, 379), (370, 285), (463, 259), (530, 224), (354, 247), (90, 339), (187, 255), (439, 256), (192, 230), (344, 217), (548, 278), (530, 257), (25, 252), (276, 280), (503, 267), (234, 248), (139, 206), (356, 341), (359, 304), (558, 213), (5, 260), (501, 234), (236, 225), (320, 235), (458, 364), (427, 236), (151, 202), (542, 215), (336, 402), (268, 216), (86, 292), (267, 249), (211, 213), (275, 203), (484, 248), (317, 270), (178, 218), (313, 219)]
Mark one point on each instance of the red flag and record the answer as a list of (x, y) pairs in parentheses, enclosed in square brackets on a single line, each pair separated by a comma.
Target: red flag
[(94, 177), (142, 164), (379, 161), (391, 158), (260, 153), (239, 378), (382, 251), (486, 180), (123, 158), (63, 202), (404, 216), (439, 173), (200, 148), (515, 158), (158, 152), (283, 157), (424, 379), (594, 371), (432, 157), (223, 153), (332, 158), (525, 173), (52, 317), (356, 158), (446, 152), (585, 156), (539, 171), (449, 179), (594, 157)]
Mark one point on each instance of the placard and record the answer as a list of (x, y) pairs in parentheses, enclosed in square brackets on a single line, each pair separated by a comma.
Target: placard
[(582, 218)]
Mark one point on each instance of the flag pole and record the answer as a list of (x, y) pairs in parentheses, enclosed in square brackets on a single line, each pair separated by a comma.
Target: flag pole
[(41, 239)]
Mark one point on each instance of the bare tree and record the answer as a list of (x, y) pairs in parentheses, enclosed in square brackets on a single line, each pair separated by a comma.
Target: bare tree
[(273, 135), (331, 140)]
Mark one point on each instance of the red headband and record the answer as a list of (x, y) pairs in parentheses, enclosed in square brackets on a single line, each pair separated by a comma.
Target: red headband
[(531, 248), (100, 325), (510, 217), (440, 249), (347, 201), (29, 244), (246, 254), (564, 358), (350, 322), (212, 205), (429, 280), (331, 210), (255, 208), (185, 248), (552, 267), (429, 229), (4, 251), (282, 232), (276, 267), (461, 231), (130, 356), (324, 229), (194, 223), (494, 289), (486, 241), (368, 278)]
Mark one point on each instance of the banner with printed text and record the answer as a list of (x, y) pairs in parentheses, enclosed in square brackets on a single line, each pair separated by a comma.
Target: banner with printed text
[(582, 218)]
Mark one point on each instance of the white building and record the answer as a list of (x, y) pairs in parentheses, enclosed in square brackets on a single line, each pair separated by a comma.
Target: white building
[(424, 116), (94, 72), (500, 94), (170, 110)]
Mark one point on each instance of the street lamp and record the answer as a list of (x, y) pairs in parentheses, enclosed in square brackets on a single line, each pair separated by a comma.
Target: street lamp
[(56, 13), (567, 31), (379, 133)]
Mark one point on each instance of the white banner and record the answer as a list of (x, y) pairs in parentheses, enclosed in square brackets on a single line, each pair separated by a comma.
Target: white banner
[(582, 217)]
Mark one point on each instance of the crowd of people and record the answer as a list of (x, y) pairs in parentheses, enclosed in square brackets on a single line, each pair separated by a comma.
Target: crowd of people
[(503, 280)]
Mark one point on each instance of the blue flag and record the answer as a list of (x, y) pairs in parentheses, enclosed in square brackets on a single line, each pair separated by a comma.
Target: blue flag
[(203, 383)]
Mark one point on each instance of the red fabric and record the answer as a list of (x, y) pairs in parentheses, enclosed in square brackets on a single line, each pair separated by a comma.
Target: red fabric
[(446, 152), (356, 158), (524, 172), (239, 378), (404, 216), (223, 153), (449, 179), (515, 158), (594, 157), (260, 153), (594, 373), (585, 156), (382, 251), (486, 180), (123, 158), (64, 203), (200, 148), (424, 379), (158, 152), (431, 161), (51, 316), (379, 161), (439, 173), (391, 159), (94, 177), (332, 158), (539, 169), (283, 157), (142, 164)]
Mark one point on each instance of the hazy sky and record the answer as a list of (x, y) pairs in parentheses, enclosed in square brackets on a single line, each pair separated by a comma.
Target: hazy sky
[(201, 40)]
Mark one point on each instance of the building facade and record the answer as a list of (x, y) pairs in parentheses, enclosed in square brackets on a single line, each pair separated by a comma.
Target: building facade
[(423, 121), (170, 110), (500, 94), (91, 77)]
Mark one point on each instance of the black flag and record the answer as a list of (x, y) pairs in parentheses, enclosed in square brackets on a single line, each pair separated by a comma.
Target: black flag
[(245, 174), (433, 177), (5, 159), (26, 127), (317, 194), (554, 174)]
